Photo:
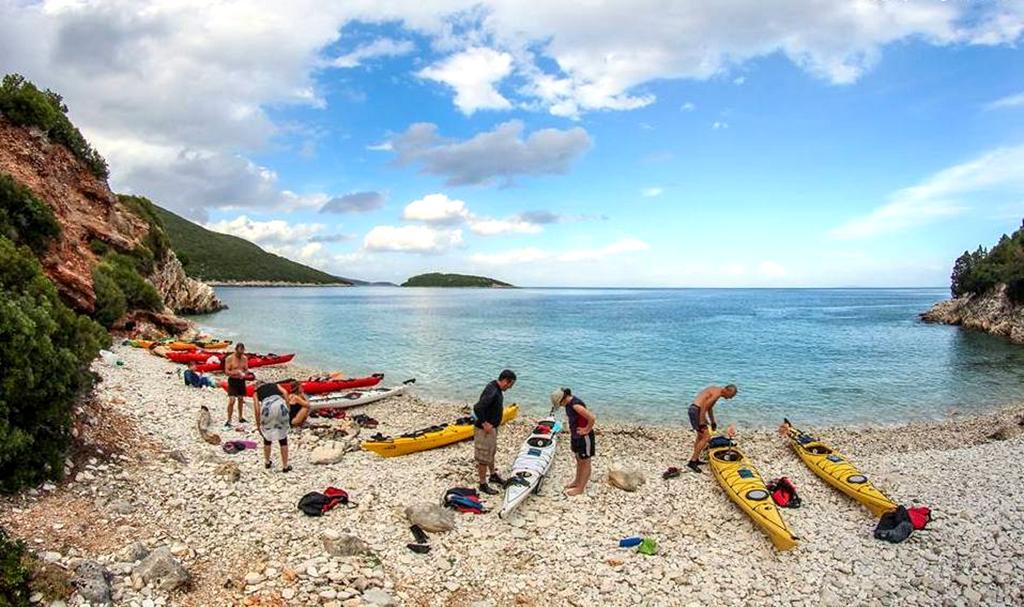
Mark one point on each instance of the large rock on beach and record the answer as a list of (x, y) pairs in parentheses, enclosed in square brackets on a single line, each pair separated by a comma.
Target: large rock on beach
[(431, 517), (627, 477), (379, 598), (342, 544), (91, 581), (330, 453), (229, 471), (162, 570)]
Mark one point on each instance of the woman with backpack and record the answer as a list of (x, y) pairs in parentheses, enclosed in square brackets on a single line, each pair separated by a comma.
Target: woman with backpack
[(271, 409)]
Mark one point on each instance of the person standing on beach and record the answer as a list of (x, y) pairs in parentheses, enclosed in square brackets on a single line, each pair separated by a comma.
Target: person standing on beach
[(270, 408), (489, 411), (702, 415), (581, 427), (236, 365)]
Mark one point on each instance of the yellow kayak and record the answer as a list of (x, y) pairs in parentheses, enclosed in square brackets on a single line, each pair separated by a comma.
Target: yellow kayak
[(431, 438), (181, 346), (837, 471), (744, 486)]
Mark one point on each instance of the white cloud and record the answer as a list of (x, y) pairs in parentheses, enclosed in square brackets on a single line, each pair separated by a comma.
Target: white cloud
[(473, 74), (438, 209), (495, 227), (627, 245), (579, 56), (411, 239), (1010, 101), (718, 125), (502, 153), (276, 231), (532, 255), (381, 47), (381, 147), (994, 176), (739, 80), (689, 106), (652, 192)]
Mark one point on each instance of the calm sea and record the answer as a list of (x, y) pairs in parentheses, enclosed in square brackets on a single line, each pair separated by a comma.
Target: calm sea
[(814, 355)]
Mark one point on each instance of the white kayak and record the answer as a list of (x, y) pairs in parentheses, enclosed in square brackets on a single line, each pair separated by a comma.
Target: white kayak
[(531, 465), (355, 398)]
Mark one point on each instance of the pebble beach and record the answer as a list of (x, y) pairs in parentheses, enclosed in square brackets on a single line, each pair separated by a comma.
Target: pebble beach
[(144, 492)]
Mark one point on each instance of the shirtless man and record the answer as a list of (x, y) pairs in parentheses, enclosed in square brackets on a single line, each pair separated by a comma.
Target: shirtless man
[(701, 412), (236, 366)]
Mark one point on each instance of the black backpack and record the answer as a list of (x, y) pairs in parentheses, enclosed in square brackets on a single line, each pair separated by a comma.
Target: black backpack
[(894, 526)]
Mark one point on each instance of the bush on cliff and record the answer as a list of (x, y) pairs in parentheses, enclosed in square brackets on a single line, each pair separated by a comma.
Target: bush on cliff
[(24, 104), (45, 358), (14, 574), (156, 244), (24, 219), (979, 271), (119, 286)]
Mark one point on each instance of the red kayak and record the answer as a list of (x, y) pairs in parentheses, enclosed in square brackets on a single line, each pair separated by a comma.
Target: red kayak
[(192, 356), (256, 360), (322, 387)]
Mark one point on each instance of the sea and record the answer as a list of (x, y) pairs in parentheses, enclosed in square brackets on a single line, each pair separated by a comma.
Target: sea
[(816, 356)]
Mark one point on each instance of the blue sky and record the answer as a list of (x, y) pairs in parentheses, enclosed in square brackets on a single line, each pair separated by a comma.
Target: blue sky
[(804, 143)]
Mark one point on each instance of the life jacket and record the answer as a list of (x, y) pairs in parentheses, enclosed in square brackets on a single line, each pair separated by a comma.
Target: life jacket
[(464, 499), (784, 493), (920, 517), (315, 503), (720, 441), (894, 526)]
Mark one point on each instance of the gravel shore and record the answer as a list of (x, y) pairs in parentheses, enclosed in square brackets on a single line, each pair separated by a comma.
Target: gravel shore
[(146, 481)]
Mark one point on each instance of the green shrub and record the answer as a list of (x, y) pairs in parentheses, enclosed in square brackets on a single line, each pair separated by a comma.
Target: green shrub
[(23, 217), (22, 103), (14, 575), (99, 247), (981, 271), (45, 357), (124, 272), (110, 300), (157, 244)]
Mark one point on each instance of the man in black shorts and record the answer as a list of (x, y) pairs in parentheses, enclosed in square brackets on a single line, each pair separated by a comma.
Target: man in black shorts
[(581, 425), (701, 412), (236, 366)]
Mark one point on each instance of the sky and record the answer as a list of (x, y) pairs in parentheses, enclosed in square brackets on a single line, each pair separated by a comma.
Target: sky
[(641, 143)]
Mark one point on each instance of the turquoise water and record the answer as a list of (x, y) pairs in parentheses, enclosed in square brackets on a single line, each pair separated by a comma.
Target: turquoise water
[(819, 356)]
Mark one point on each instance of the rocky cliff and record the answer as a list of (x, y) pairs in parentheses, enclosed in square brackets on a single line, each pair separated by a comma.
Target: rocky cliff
[(87, 210), (992, 312)]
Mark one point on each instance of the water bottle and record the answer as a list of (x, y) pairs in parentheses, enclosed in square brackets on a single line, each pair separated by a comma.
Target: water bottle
[(111, 359)]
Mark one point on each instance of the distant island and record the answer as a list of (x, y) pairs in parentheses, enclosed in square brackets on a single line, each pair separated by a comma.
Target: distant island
[(224, 259), (436, 279), (988, 290)]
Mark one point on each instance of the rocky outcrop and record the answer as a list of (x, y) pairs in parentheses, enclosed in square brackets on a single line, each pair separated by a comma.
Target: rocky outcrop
[(992, 312), (83, 204), (87, 210), (182, 294)]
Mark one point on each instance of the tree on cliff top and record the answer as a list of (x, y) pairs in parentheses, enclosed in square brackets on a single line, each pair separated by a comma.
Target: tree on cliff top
[(23, 103), (978, 272)]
